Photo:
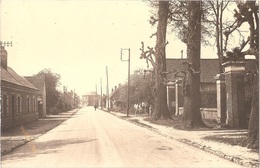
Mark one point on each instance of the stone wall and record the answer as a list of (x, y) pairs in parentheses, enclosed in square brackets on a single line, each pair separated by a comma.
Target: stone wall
[(206, 113)]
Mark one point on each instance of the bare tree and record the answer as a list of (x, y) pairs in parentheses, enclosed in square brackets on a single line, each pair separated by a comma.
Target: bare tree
[(191, 114), (159, 63), (218, 8), (248, 13)]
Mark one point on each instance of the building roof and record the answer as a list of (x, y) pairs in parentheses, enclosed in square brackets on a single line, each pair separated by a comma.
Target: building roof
[(209, 68), (116, 93), (37, 81), (9, 75)]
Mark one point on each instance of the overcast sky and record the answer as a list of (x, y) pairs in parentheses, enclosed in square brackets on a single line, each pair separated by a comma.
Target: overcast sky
[(78, 39)]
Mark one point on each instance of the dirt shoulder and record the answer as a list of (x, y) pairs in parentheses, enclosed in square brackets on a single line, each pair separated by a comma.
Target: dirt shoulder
[(18, 136)]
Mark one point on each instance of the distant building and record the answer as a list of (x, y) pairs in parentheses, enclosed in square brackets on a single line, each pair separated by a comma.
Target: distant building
[(209, 68), (90, 99), (39, 82), (115, 98), (20, 99)]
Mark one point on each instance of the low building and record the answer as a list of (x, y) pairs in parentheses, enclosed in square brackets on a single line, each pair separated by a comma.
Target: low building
[(115, 98), (20, 99), (209, 68)]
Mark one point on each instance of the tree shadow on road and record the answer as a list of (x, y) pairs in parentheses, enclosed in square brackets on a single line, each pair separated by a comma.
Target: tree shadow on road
[(34, 148)]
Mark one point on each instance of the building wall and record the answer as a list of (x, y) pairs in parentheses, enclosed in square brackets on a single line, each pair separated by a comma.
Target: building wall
[(18, 105), (208, 95), (90, 100), (206, 113), (39, 83)]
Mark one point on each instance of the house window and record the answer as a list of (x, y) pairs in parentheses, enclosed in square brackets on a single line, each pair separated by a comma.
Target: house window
[(5, 105), (28, 104), (34, 105), (19, 105), (33, 109)]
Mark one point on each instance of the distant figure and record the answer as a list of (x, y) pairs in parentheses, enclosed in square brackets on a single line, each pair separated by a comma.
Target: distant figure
[(95, 107), (150, 111)]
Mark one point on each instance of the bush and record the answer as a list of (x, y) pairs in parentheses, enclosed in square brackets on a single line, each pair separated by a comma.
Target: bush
[(54, 110)]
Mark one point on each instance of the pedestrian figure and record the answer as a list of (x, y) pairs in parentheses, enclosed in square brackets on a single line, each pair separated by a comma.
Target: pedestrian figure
[(150, 111), (95, 106)]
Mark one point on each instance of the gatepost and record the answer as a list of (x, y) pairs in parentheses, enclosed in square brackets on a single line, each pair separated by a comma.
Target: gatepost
[(170, 89), (221, 98), (235, 93)]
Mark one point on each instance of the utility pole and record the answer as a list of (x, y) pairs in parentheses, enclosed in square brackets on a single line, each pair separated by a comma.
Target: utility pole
[(101, 93), (96, 96), (108, 104), (74, 97), (6, 43), (128, 88)]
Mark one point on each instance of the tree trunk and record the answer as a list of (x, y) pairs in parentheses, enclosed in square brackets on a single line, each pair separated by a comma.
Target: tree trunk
[(253, 127), (160, 104), (191, 114)]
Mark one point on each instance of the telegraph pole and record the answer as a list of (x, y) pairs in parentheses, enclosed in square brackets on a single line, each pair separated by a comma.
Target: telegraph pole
[(108, 104), (6, 43), (74, 97), (96, 96), (101, 93), (128, 87)]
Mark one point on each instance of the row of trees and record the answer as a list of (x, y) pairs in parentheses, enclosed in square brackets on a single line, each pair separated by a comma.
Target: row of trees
[(191, 21), (141, 89), (55, 101)]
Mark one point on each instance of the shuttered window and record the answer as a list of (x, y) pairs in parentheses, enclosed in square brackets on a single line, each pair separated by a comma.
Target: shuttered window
[(19, 105), (28, 104), (5, 105)]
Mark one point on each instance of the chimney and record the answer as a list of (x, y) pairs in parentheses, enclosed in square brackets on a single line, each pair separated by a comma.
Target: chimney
[(3, 54), (64, 89), (115, 88)]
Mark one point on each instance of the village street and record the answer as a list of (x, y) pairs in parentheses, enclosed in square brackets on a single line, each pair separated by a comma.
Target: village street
[(98, 139)]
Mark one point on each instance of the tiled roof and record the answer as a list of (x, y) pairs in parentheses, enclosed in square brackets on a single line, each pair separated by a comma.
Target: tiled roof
[(116, 93), (209, 68), (37, 81), (9, 75)]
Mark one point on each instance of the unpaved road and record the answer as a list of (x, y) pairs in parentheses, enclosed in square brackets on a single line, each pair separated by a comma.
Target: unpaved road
[(98, 139)]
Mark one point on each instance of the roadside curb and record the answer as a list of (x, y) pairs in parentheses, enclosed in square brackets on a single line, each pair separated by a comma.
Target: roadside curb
[(218, 153), (195, 144), (25, 141)]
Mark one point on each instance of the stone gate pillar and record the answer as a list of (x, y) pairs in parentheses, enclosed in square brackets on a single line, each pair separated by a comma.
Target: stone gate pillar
[(176, 98), (170, 99), (235, 93), (221, 98)]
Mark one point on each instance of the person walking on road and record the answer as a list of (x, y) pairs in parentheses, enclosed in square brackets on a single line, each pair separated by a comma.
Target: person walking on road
[(95, 107)]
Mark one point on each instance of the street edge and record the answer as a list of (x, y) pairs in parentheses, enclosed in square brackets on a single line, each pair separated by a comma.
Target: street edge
[(205, 148), (34, 137)]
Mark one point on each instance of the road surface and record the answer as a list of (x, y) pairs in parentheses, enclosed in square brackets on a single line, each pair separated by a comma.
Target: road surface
[(98, 139)]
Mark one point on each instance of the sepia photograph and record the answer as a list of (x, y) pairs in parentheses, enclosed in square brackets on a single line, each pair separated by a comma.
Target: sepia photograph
[(129, 83)]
